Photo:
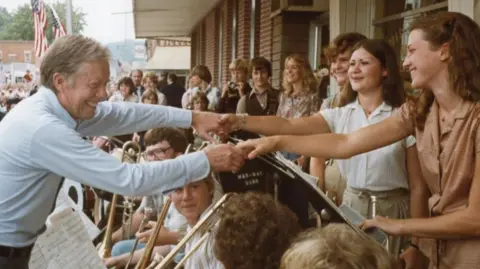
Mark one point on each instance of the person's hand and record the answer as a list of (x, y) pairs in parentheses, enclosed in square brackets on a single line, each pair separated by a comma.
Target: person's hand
[(136, 138), (206, 122), (241, 88), (117, 262), (301, 161), (224, 90), (256, 147), (144, 236), (231, 122), (224, 158), (412, 258), (101, 142), (390, 226)]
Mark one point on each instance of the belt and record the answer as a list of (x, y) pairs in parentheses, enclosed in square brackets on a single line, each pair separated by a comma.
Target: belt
[(12, 252), (379, 194)]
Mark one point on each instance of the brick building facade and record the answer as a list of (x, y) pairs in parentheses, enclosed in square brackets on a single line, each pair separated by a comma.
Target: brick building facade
[(246, 28), (17, 51), (221, 30)]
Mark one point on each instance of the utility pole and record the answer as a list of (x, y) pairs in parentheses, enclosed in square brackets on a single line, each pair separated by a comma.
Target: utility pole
[(68, 15)]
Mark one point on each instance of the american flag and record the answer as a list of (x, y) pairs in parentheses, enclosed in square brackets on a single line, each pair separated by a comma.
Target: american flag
[(58, 29), (40, 23)]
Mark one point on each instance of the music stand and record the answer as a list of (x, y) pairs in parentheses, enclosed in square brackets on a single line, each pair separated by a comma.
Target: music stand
[(294, 188)]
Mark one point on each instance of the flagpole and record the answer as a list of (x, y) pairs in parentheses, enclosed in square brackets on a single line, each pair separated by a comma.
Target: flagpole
[(68, 15)]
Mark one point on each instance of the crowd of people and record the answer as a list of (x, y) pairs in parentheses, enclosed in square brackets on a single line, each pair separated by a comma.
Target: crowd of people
[(406, 163)]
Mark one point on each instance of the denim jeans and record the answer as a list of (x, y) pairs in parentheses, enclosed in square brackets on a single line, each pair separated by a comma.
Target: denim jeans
[(125, 246)]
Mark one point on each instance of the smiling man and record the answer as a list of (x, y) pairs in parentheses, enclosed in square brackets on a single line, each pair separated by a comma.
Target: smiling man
[(42, 143)]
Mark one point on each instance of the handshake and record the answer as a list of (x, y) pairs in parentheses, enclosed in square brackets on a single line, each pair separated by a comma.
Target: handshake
[(227, 157)]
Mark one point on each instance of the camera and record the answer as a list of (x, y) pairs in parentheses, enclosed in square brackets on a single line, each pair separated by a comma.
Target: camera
[(232, 86)]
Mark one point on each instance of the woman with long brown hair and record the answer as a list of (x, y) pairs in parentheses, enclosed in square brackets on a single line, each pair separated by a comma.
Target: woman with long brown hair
[(443, 59), (299, 96)]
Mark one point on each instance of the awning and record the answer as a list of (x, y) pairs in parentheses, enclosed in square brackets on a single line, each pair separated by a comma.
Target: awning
[(169, 58), (167, 18)]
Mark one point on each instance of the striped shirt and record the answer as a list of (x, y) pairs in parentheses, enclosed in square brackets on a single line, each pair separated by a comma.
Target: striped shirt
[(379, 170)]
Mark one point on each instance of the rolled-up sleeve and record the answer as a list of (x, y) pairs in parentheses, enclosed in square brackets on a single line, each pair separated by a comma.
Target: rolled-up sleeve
[(58, 149), (126, 118)]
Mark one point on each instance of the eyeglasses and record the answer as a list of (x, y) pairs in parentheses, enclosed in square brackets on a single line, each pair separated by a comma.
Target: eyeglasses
[(156, 152)]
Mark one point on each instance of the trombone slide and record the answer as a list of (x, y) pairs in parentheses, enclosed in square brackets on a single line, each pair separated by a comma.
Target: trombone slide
[(147, 254)]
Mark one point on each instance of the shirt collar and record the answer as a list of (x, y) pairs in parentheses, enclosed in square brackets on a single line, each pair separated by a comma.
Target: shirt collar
[(253, 92), (57, 109), (384, 107), (463, 109)]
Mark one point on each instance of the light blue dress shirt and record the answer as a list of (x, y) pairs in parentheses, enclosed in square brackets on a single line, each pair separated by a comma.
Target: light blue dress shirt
[(40, 143)]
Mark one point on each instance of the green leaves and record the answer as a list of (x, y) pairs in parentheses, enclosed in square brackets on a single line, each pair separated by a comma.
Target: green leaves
[(18, 25)]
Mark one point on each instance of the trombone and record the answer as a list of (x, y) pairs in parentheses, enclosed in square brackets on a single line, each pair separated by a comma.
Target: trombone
[(146, 218), (204, 225), (130, 149), (147, 254)]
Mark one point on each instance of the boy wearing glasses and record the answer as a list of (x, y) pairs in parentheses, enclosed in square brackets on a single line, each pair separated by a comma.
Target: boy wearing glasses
[(161, 144)]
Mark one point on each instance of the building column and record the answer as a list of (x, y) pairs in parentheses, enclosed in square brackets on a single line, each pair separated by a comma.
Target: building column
[(350, 16), (470, 8)]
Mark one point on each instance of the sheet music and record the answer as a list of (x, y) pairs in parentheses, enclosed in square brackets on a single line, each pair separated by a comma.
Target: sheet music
[(65, 245), (64, 201)]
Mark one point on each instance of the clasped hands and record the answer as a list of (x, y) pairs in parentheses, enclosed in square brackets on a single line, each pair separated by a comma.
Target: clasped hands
[(226, 157)]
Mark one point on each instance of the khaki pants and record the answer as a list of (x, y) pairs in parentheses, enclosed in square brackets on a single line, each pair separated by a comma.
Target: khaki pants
[(393, 204)]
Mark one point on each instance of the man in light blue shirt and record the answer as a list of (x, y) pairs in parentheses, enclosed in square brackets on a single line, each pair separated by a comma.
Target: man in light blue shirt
[(41, 142)]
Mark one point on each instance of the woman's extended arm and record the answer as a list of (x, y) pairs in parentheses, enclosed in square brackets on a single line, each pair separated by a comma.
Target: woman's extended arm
[(340, 146), (275, 125)]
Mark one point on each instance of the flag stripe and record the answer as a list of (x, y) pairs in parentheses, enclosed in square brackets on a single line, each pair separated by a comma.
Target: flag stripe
[(40, 24), (57, 26)]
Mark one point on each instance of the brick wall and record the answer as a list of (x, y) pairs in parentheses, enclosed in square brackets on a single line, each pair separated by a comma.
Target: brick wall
[(18, 48), (193, 49), (258, 10), (290, 35), (243, 28), (203, 42), (276, 37), (211, 44), (265, 44), (227, 10), (277, 57)]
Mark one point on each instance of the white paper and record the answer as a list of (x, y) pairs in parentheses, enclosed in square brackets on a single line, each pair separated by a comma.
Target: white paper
[(65, 245), (64, 201)]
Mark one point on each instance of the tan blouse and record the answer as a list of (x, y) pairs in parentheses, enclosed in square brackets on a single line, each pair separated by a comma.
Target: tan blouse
[(448, 161)]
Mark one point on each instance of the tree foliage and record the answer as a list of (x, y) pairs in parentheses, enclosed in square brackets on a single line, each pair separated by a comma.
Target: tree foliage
[(5, 18), (19, 24)]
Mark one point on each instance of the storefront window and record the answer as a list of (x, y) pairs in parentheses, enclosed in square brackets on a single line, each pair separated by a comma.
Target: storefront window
[(398, 15), (398, 6)]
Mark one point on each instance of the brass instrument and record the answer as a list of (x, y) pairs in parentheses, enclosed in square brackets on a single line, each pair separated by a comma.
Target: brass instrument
[(204, 225), (129, 149), (373, 200), (147, 254), (146, 218)]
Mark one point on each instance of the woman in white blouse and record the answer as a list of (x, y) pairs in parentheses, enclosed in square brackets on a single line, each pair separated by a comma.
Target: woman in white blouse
[(374, 92), (125, 89)]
